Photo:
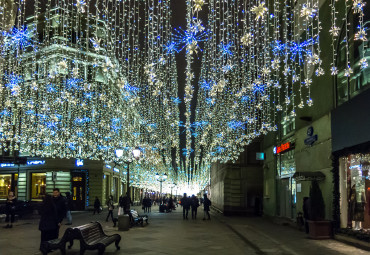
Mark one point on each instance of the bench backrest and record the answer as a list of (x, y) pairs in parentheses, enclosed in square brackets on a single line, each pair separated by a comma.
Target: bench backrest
[(134, 214), (91, 231)]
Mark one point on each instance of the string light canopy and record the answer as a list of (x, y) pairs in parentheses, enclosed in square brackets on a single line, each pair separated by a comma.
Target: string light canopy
[(84, 78)]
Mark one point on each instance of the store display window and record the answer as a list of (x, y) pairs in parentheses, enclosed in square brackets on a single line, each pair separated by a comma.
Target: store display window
[(355, 191), (5, 185), (38, 186)]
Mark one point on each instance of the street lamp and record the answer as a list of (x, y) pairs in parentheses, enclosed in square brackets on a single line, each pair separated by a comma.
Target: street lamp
[(136, 154), (160, 178)]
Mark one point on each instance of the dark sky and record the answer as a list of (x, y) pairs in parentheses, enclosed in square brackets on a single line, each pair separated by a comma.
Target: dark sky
[(178, 8)]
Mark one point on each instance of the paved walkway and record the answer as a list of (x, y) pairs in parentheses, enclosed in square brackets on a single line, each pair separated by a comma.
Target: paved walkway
[(168, 233)]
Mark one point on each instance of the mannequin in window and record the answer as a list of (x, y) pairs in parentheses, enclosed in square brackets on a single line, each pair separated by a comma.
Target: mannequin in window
[(359, 211), (351, 205)]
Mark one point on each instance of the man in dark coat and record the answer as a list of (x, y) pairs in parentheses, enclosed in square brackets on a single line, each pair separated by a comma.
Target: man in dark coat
[(206, 203), (185, 203), (60, 205), (194, 207), (49, 220)]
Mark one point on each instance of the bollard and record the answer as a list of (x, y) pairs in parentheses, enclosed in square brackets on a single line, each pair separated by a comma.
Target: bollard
[(123, 222)]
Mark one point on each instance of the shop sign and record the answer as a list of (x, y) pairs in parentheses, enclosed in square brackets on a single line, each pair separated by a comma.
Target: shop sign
[(6, 164), (311, 138), (79, 162), (36, 162), (283, 148)]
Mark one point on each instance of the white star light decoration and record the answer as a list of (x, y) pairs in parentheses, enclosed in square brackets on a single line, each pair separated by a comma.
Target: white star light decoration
[(198, 4), (363, 63), (246, 40), (81, 6), (259, 10), (307, 12)]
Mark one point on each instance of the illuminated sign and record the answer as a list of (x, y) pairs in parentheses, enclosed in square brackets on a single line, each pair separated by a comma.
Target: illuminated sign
[(36, 162), (79, 162), (283, 148), (6, 164), (260, 156)]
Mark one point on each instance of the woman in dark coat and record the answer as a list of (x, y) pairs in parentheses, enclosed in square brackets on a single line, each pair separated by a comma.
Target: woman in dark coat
[(49, 220), (11, 201)]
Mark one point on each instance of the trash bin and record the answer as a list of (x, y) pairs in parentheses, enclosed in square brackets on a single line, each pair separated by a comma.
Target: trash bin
[(123, 222)]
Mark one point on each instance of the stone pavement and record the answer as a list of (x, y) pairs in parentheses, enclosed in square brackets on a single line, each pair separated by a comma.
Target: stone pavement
[(168, 233)]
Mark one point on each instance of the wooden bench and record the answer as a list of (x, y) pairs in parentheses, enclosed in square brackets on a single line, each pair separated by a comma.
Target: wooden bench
[(138, 219), (92, 237), (60, 243)]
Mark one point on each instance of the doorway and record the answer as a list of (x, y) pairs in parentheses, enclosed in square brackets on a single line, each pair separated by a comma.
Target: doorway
[(79, 190)]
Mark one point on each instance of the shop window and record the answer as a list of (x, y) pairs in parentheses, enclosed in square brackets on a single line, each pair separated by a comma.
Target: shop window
[(355, 191), (5, 185), (38, 186)]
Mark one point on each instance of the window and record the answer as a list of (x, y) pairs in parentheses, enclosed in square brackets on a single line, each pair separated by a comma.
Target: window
[(38, 186), (5, 185)]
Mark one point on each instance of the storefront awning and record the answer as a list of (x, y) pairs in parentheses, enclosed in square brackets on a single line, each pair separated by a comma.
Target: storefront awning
[(309, 176)]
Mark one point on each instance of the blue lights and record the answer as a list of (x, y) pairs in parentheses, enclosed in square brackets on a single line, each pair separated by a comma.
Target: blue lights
[(6, 165), (36, 162), (184, 38), (17, 39), (226, 49)]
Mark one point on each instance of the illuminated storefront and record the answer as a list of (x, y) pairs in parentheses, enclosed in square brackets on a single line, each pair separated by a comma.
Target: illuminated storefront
[(354, 187), (286, 168)]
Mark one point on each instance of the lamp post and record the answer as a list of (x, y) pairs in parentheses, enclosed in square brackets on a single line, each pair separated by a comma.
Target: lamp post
[(136, 154), (160, 178)]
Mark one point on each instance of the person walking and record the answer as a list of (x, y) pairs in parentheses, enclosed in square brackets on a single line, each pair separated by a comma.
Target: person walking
[(145, 204), (121, 205), (11, 202), (206, 204), (306, 213), (59, 202), (194, 207), (149, 201), (49, 221), (97, 205), (185, 203), (69, 207), (110, 208)]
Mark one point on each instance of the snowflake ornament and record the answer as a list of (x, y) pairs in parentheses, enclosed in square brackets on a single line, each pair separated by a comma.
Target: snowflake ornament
[(63, 65), (348, 71), (358, 6), (96, 43), (246, 40), (266, 70), (309, 102), (363, 63), (81, 6), (307, 12), (334, 70), (301, 105), (259, 10), (334, 31), (361, 35), (198, 4), (319, 71)]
